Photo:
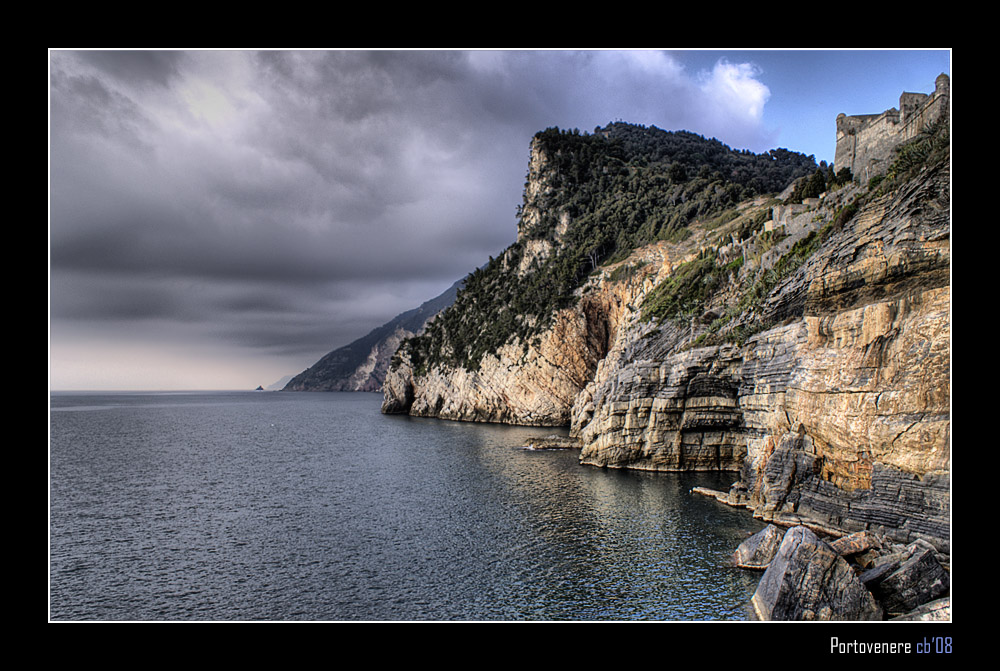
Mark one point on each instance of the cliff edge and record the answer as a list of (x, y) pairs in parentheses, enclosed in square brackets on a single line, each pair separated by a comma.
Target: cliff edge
[(676, 316)]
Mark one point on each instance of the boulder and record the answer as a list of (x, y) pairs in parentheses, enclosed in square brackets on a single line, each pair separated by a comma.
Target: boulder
[(856, 543), (938, 610), (757, 551), (808, 580), (874, 576), (866, 559), (917, 581)]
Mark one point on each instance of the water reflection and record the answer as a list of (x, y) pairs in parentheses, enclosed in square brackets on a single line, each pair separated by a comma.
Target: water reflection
[(315, 506)]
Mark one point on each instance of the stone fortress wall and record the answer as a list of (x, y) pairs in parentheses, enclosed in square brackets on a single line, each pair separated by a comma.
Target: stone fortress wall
[(865, 142)]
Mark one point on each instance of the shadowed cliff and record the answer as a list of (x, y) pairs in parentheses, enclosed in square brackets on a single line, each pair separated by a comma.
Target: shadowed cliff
[(362, 365)]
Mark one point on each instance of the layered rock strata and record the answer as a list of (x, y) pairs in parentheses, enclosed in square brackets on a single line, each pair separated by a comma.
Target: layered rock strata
[(840, 415), (835, 414)]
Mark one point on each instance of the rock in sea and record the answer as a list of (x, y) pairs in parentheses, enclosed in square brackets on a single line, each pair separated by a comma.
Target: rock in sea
[(757, 551), (809, 580)]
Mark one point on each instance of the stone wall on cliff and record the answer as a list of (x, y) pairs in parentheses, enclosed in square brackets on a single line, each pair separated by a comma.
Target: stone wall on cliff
[(865, 142)]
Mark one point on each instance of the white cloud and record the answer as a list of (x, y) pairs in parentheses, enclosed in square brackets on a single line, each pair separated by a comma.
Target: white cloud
[(733, 89), (649, 63)]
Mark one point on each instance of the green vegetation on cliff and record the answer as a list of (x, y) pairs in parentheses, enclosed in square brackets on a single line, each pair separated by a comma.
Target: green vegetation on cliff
[(620, 187), (625, 186), (932, 145), (684, 294)]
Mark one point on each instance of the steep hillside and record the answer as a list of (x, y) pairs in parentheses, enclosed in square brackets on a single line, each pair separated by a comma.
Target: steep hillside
[(362, 365), (502, 351), (818, 369), (676, 320)]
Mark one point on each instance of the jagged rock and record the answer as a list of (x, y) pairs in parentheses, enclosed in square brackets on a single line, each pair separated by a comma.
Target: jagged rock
[(738, 495), (757, 551), (856, 543), (397, 391), (921, 544), (866, 559), (934, 611), (735, 496), (917, 581), (790, 465), (808, 580), (872, 577)]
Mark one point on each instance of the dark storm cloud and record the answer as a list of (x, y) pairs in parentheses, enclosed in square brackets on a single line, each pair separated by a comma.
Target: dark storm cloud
[(299, 199), (136, 67)]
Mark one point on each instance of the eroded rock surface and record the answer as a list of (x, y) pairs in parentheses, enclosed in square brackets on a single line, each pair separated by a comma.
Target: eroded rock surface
[(834, 413), (808, 580), (757, 551), (861, 576), (838, 417)]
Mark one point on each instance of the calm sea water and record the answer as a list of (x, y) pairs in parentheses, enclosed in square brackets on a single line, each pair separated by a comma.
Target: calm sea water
[(314, 506)]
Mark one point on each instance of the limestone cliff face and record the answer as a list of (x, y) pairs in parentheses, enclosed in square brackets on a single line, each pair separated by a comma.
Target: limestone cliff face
[(532, 383), (816, 368), (839, 415)]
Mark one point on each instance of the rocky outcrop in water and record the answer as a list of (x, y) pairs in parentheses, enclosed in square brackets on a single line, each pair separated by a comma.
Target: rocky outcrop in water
[(862, 576), (533, 384)]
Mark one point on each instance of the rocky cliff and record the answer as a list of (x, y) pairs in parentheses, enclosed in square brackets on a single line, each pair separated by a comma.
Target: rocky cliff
[(528, 330), (837, 416), (529, 383), (810, 358)]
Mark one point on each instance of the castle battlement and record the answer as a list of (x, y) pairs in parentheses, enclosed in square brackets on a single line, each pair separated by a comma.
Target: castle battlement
[(865, 141)]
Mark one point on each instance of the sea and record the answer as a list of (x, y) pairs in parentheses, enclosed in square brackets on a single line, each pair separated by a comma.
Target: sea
[(299, 506)]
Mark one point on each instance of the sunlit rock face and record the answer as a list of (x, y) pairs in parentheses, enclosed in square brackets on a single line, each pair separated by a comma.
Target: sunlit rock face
[(676, 415), (840, 415), (834, 411), (531, 383)]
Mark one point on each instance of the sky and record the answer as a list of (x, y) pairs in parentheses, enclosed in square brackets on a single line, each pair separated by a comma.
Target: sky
[(219, 219)]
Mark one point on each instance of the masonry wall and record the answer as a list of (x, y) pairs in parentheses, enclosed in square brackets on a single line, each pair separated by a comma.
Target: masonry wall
[(865, 142)]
